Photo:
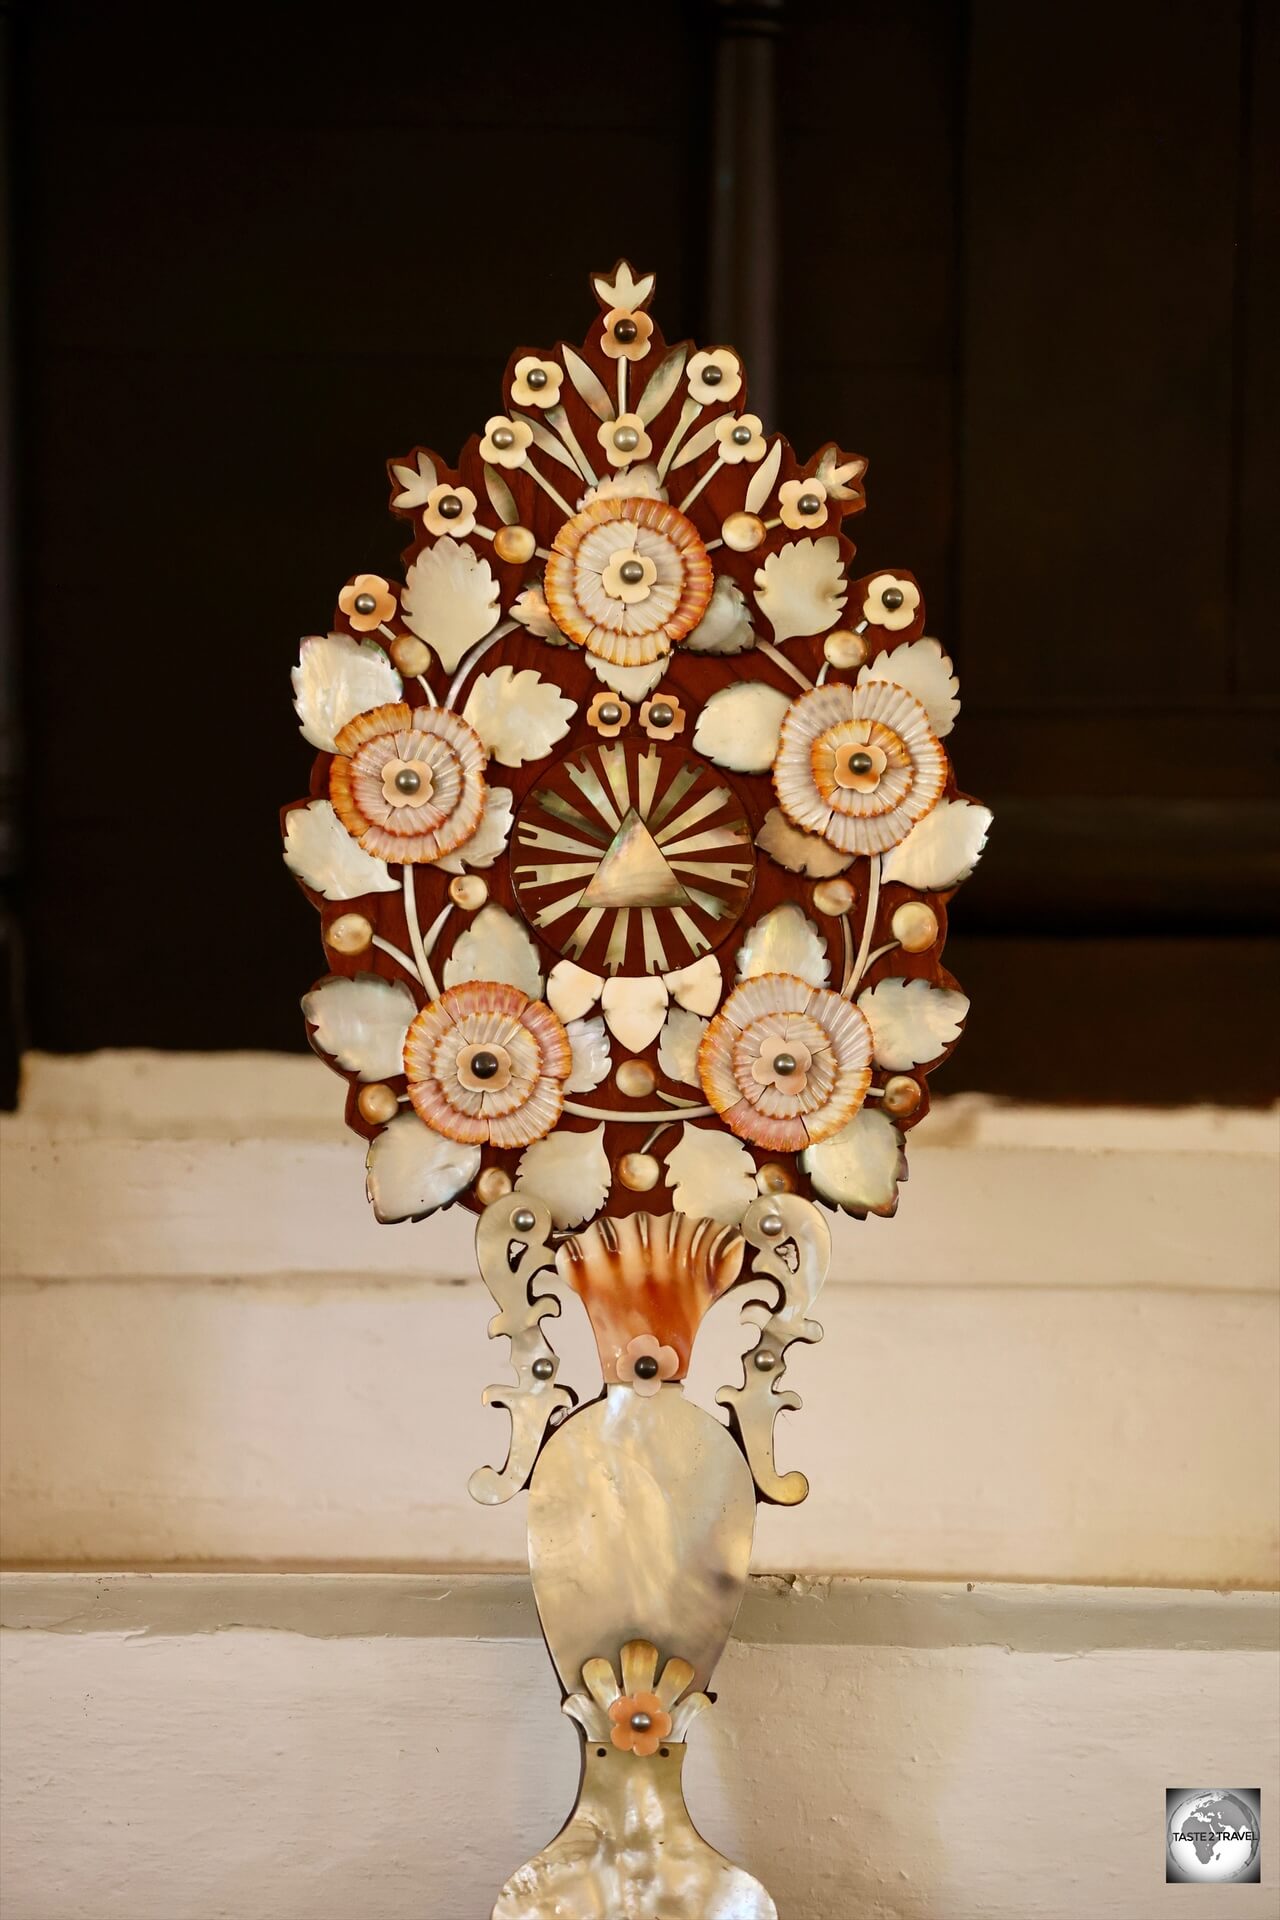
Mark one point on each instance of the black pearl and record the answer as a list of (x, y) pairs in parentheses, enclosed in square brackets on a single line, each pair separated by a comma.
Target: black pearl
[(660, 714), (611, 713), (860, 763), (632, 571), (641, 1722), (712, 376), (765, 1361), (625, 331), (365, 603), (449, 507), (626, 439), (741, 436), (484, 1065), (646, 1367), (543, 1369), (524, 1220), (536, 378), (503, 437), (891, 598), (407, 781), (784, 1063), (809, 504), (771, 1225)]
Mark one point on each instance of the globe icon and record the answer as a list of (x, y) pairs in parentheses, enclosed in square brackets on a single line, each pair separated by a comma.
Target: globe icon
[(1213, 1836)]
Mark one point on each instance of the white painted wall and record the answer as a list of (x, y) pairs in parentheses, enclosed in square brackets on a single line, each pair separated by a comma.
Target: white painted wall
[(211, 1352), (356, 1763)]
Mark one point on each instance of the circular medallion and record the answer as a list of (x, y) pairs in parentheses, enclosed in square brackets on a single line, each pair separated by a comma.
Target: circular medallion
[(633, 859)]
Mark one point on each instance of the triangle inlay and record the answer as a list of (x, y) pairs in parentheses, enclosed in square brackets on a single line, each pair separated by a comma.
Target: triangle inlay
[(633, 872)]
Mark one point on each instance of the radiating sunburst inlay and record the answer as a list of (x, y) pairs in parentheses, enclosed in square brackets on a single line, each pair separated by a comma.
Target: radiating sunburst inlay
[(632, 859)]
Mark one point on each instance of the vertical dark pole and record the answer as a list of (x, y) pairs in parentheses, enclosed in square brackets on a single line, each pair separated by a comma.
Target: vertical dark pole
[(11, 1036), (743, 288)]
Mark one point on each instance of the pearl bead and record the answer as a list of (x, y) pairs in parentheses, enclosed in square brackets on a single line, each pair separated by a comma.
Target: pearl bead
[(844, 649), (468, 891), (902, 1094), (536, 378), (784, 1063), (646, 1367), (543, 1369), (641, 1722), (625, 331), (524, 1220), (712, 376), (637, 1079), (638, 1171), (809, 504), (377, 1104), (915, 926), (860, 763), (741, 436), (626, 440), (833, 897), (773, 1178), (743, 532), (449, 506), (515, 544), (611, 713), (411, 656), (660, 714), (365, 603), (632, 571), (407, 781), (484, 1065), (765, 1360), (892, 598), (502, 437), (349, 933), (494, 1184), (771, 1225)]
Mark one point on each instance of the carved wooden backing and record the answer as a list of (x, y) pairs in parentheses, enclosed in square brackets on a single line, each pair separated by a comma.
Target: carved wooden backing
[(643, 831)]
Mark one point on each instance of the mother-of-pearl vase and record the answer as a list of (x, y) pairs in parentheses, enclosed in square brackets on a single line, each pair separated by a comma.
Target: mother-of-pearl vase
[(641, 1517)]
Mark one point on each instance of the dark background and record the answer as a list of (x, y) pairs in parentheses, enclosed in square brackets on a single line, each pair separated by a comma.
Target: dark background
[(1025, 264)]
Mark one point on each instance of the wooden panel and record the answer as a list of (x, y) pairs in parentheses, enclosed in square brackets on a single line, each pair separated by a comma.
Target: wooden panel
[(1100, 195)]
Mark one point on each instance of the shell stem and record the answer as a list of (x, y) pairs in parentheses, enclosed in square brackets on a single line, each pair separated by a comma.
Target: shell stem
[(401, 959), (571, 442), (688, 414), (415, 932), (469, 660), (611, 1113), (868, 928), (698, 485), (771, 652), (549, 490)]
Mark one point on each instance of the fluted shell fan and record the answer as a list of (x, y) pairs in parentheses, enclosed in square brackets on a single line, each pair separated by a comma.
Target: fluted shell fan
[(632, 831)]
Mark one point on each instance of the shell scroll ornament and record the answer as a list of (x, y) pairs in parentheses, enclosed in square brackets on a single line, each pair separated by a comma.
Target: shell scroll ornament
[(632, 830)]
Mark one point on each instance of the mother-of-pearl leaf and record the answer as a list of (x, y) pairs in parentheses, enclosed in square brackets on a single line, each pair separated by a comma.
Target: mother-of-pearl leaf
[(800, 852), (925, 671), (697, 986), (801, 588), (942, 849), (590, 1047), (361, 1021), (488, 840), (785, 940), (739, 726), (411, 1171), (661, 384), (495, 947), (571, 990), (318, 848), (912, 1021), (416, 482), (725, 627), (859, 1168), (633, 683), (587, 385), (634, 1008), (763, 478), (335, 679), (678, 1045), (519, 716), (568, 1171), (712, 1175), (450, 599)]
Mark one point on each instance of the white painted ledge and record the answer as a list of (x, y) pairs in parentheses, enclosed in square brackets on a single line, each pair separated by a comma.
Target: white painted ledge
[(212, 1354), (195, 1747)]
